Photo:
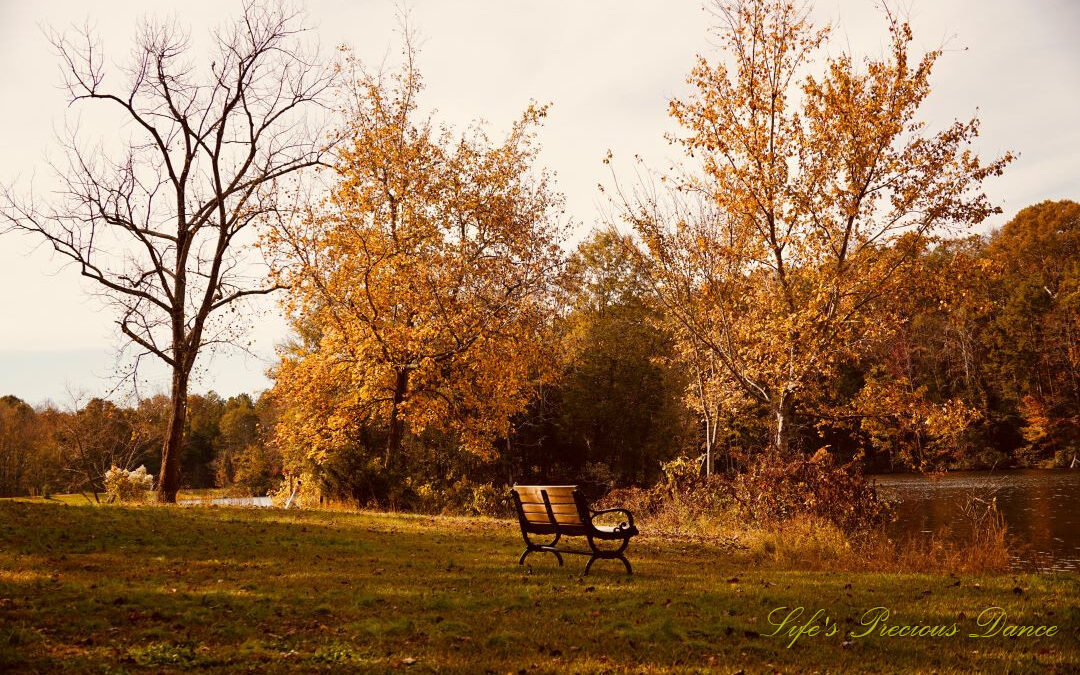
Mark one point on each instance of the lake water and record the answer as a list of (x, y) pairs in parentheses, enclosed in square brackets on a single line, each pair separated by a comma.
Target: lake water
[(229, 501), (1041, 508)]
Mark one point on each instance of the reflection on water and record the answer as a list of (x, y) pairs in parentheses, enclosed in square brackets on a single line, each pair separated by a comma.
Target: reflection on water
[(1041, 508)]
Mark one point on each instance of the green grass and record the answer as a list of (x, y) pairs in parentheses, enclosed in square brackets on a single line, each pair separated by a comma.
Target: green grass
[(156, 589)]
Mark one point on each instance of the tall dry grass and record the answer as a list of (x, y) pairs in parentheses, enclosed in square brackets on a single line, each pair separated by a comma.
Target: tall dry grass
[(813, 543)]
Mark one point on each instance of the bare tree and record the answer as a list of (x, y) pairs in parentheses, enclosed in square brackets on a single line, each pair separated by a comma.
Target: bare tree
[(162, 223), (95, 436)]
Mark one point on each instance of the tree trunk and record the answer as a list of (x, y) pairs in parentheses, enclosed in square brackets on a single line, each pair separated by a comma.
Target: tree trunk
[(782, 424), (393, 438), (169, 480), (706, 411)]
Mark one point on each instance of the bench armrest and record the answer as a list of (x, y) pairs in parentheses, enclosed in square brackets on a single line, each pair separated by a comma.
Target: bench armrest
[(629, 515)]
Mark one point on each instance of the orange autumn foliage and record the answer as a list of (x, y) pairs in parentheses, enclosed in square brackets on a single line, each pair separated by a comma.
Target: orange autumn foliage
[(810, 191), (422, 285)]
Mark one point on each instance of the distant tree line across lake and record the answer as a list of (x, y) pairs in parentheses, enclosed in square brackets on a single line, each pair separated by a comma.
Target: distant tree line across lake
[(996, 329), (51, 450)]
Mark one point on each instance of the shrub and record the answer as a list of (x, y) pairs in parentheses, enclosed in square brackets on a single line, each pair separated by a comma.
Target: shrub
[(774, 490), (462, 497), (128, 486), (771, 492), (682, 497), (643, 502), (684, 481)]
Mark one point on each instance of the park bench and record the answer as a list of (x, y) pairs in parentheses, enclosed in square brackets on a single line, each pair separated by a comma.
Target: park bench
[(561, 511)]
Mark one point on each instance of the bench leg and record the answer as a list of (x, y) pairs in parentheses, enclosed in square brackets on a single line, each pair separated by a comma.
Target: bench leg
[(599, 554), (588, 565), (625, 562), (530, 546), (527, 551)]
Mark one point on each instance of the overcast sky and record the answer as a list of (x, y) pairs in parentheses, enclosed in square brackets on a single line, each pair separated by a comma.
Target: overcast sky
[(608, 67)]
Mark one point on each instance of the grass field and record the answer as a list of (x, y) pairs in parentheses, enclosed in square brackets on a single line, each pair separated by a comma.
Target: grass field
[(168, 589)]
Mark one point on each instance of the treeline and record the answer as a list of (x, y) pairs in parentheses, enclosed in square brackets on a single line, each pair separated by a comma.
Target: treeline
[(1003, 336), (988, 338), (989, 335), (995, 326), (48, 450)]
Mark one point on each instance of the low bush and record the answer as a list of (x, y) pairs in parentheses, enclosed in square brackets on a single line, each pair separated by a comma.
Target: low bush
[(684, 502), (126, 486), (462, 497), (776, 489), (771, 492)]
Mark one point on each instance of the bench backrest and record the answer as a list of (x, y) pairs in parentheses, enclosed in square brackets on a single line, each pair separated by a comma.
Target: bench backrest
[(533, 502)]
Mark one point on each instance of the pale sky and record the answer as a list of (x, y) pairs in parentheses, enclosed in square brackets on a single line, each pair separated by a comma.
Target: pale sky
[(607, 66)]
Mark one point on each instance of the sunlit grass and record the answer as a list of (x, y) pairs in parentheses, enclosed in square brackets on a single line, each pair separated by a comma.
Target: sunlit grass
[(156, 589)]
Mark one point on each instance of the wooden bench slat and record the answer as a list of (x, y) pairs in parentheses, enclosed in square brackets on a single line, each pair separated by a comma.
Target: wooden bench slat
[(563, 494), (525, 502), (556, 508), (541, 516), (561, 518)]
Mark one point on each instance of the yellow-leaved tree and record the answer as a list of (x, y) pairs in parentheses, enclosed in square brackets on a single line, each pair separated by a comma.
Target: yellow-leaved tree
[(810, 188), (422, 286)]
